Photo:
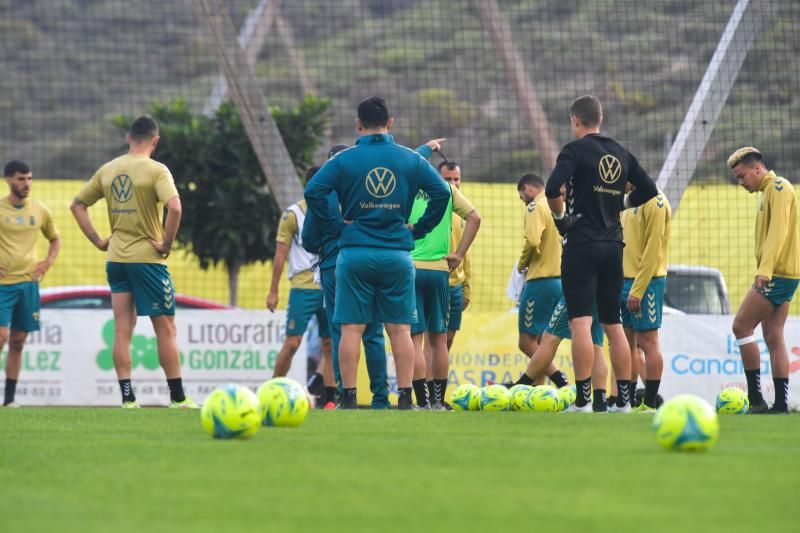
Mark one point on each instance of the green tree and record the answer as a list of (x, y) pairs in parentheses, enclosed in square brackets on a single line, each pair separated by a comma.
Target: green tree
[(229, 213)]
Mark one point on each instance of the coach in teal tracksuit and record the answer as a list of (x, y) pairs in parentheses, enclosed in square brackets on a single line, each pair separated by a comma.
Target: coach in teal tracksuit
[(376, 182), (327, 249)]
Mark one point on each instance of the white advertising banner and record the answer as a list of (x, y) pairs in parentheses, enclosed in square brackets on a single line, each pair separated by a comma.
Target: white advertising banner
[(701, 357), (69, 361)]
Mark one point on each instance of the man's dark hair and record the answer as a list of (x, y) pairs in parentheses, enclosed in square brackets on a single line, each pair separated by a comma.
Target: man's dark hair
[(311, 171), (450, 164), (530, 179), (335, 149), (16, 166), (588, 110), (373, 112), (143, 129)]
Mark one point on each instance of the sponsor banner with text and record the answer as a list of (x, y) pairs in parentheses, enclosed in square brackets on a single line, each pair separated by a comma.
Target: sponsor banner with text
[(700, 356), (69, 361)]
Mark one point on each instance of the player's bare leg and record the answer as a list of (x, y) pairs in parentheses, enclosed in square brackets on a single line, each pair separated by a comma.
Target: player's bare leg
[(754, 310), (541, 365), (427, 351), (169, 356), (599, 380), (420, 371), (284, 360), (441, 367), (772, 327), (451, 337), (124, 321), (620, 362), (16, 342), (403, 350), (654, 365)]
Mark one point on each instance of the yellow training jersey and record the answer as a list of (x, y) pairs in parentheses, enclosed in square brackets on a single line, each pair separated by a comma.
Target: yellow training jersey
[(135, 188), (461, 209), (461, 275), (287, 229), (541, 249), (645, 230), (777, 249), (19, 228)]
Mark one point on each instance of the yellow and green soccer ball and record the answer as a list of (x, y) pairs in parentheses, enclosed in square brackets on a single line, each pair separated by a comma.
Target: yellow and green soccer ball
[(494, 398), (284, 403), (231, 412), (543, 399), (566, 397), (466, 397), (519, 397), (732, 401), (686, 422)]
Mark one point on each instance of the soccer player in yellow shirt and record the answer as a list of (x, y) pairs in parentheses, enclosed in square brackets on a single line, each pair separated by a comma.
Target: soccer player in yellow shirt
[(21, 221), (645, 230), (305, 301), (136, 190), (777, 253), (540, 261)]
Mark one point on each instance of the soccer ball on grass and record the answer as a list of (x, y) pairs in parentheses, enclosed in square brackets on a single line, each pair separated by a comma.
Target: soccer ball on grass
[(544, 399), (686, 422), (284, 403), (231, 412), (732, 401), (494, 398), (466, 397)]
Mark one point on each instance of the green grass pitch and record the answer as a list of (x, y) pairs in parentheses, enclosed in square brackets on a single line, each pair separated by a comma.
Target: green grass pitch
[(156, 470)]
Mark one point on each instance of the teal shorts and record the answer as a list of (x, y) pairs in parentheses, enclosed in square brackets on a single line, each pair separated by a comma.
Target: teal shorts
[(456, 307), (649, 318), (150, 284), (19, 306), (303, 304), (536, 304), (559, 323), (433, 301), (779, 290), (374, 285)]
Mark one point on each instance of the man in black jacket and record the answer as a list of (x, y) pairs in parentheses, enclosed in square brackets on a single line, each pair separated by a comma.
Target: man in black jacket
[(595, 168)]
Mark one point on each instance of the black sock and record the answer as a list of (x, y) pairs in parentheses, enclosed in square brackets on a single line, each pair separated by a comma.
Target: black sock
[(429, 385), (176, 389), (11, 390), (349, 399), (651, 392), (315, 384), (623, 392), (781, 393), (559, 379), (754, 386), (524, 379), (583, 387), (612, 400), (330, 395), (599, 397), (404, 400), (420, 391), (126, 388), (439, 388)]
